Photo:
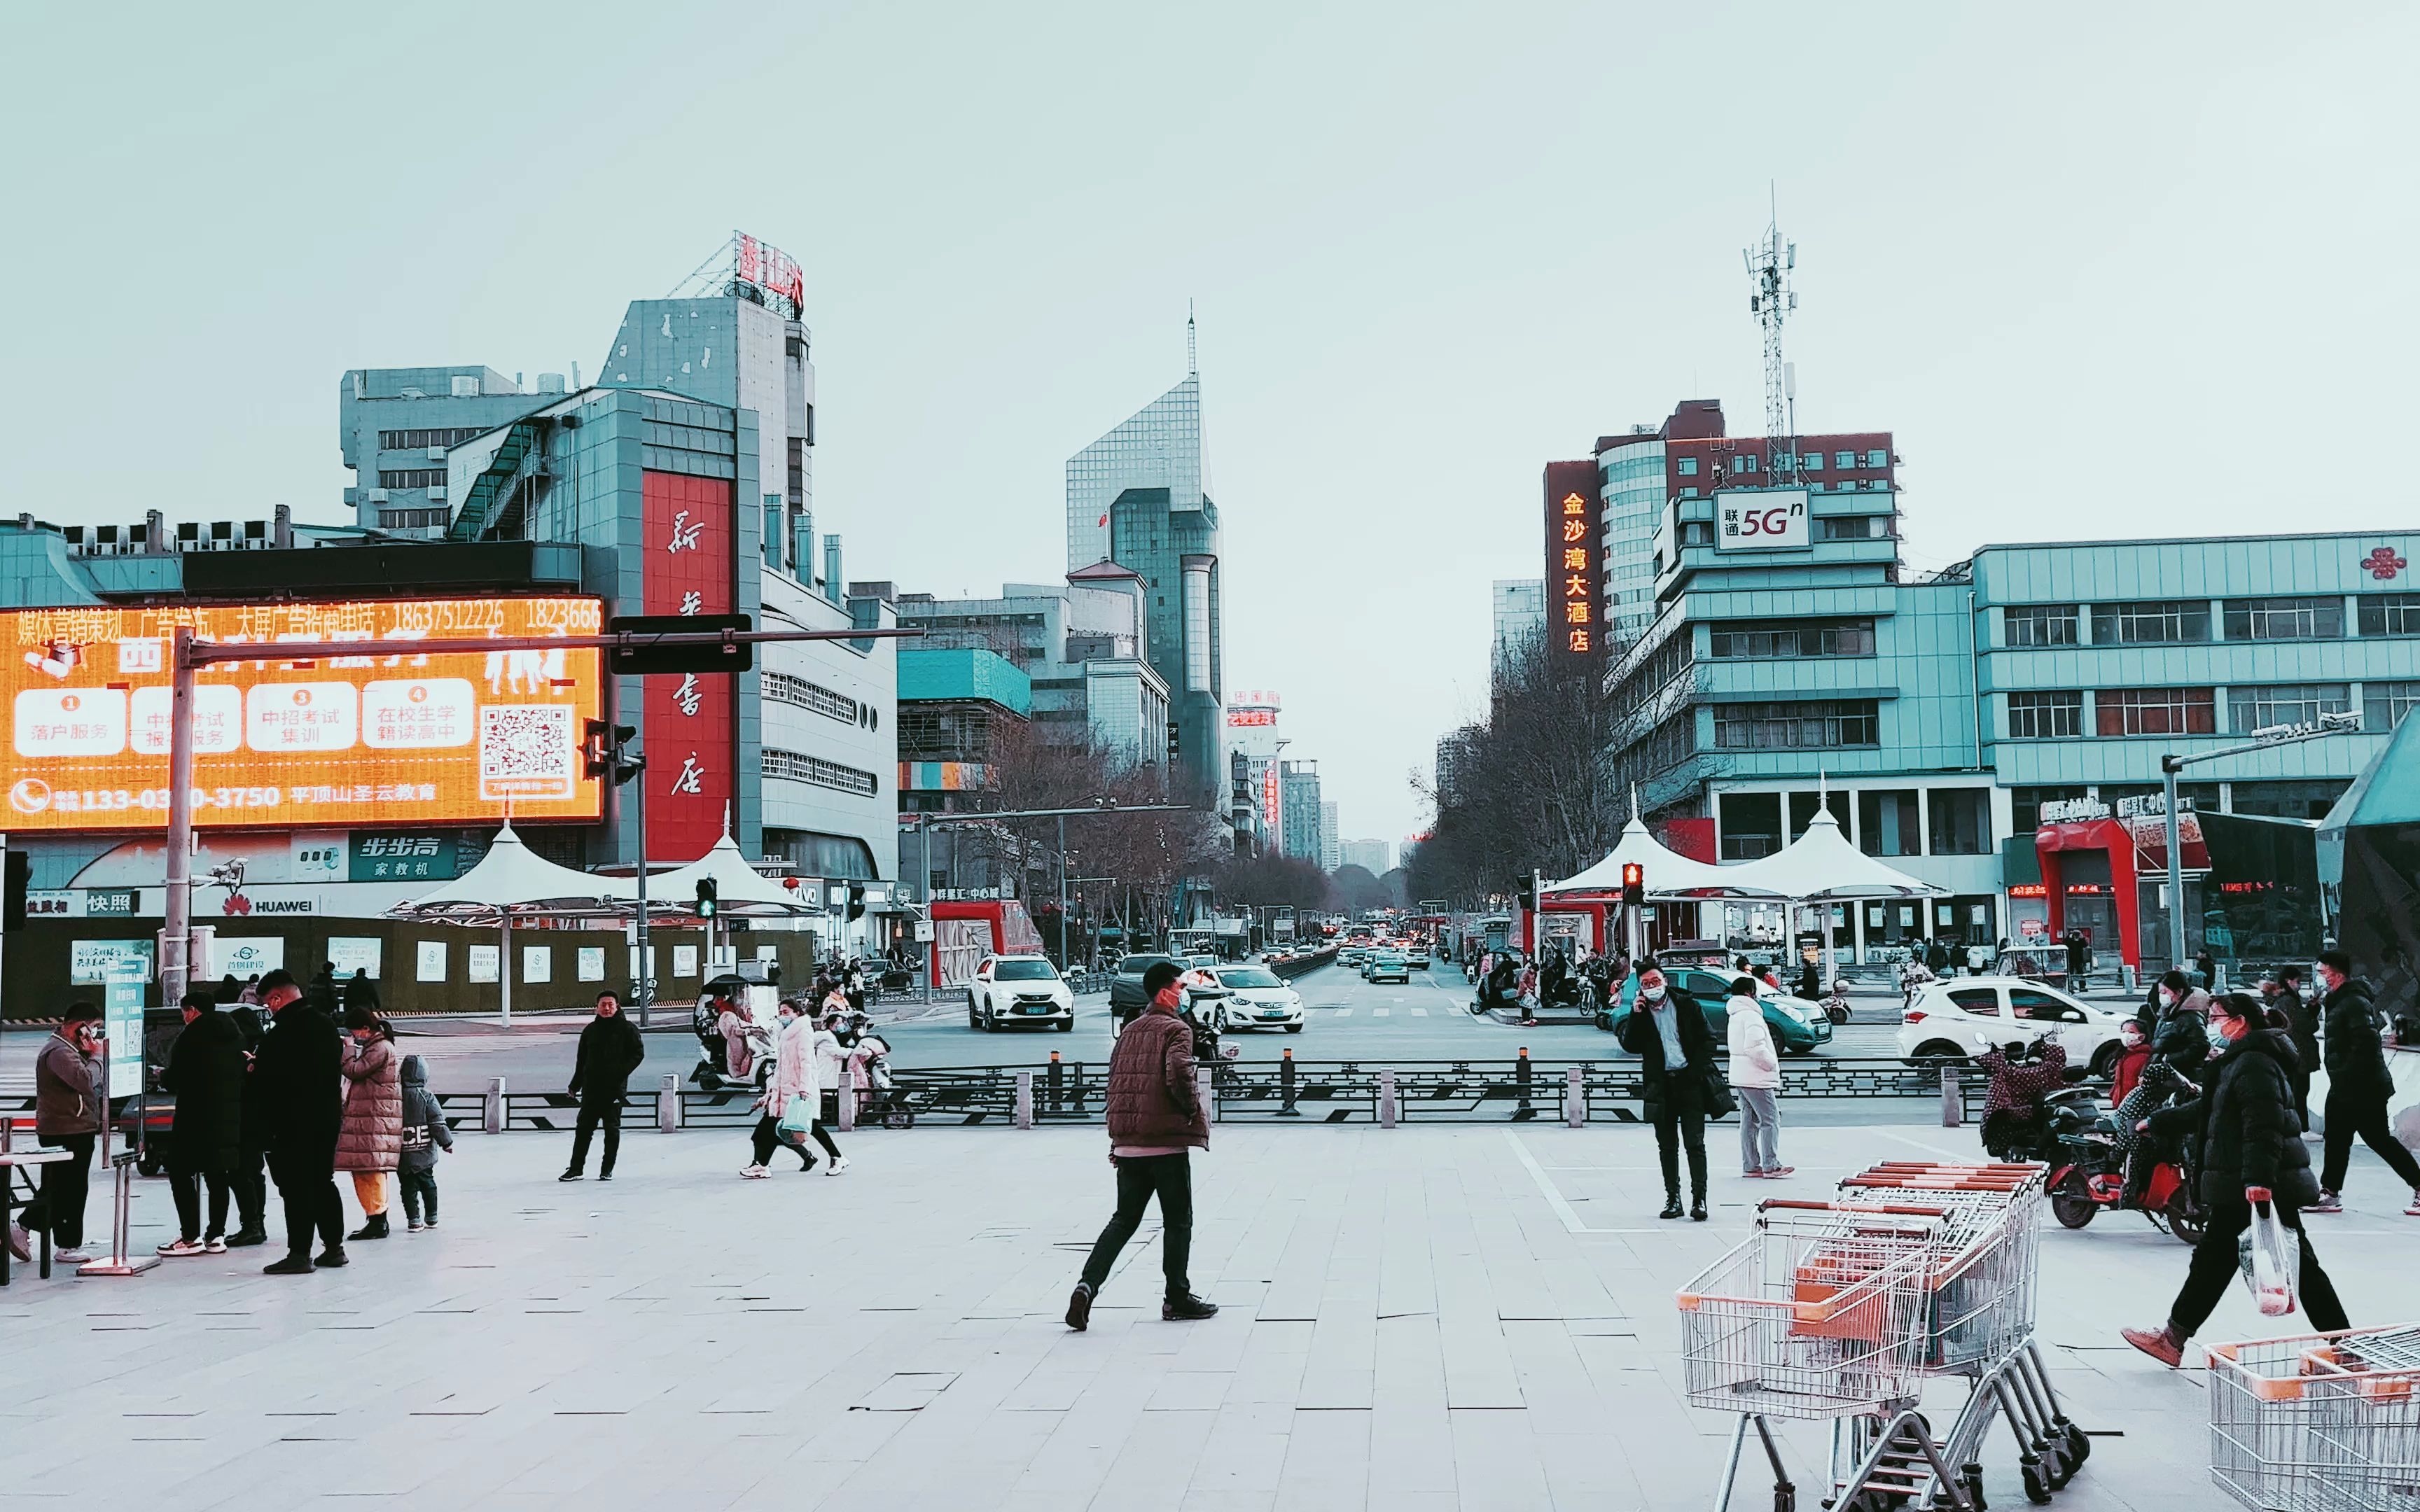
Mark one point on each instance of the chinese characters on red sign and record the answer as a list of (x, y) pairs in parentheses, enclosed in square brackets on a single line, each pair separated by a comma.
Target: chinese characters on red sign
[(1573, 599), (692, 734)]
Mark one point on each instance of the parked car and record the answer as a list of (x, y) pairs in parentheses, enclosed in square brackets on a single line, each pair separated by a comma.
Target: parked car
[(1013, 991), (1257, 999), (1963, 1016), (1797, 1026), (1387, 965)]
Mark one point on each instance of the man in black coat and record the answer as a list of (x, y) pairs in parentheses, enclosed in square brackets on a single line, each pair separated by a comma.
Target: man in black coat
[(206, 1072), (1667, 1030), (2282, 991), (2250, 1149), (610, 1051), (2359, 1084), (301, 1108)]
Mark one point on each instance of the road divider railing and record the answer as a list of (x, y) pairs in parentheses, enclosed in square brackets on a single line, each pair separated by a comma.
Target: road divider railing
[(1286, 1090)]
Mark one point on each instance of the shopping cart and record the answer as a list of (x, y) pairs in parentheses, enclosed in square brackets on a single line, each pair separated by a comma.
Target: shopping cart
[(2318, 1422)]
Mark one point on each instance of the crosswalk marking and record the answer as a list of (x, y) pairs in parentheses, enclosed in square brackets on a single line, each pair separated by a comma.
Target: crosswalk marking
[(1344, 1012), (1376, 1012), (1419, 1013)]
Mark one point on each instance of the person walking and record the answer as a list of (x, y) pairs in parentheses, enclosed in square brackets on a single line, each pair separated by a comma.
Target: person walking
[(423, 1135), (610, 1051), (1667, 1032), (2205, 968), (2078, 955), (2302, 1016), (1156, 1117), (2250, 1151), (1937, 956), (299, 1072), (323, 993), (2359, 1085), (206, 1072), (794, 1076), (1756, 1077), (70, 1076), (360, 992), (369, 1141)]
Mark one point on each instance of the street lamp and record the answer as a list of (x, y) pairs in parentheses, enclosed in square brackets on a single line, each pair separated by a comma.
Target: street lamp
[(2346, 723)]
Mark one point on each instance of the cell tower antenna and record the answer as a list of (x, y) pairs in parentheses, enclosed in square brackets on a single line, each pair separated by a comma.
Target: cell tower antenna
[(1192, 362), (1771, 299)]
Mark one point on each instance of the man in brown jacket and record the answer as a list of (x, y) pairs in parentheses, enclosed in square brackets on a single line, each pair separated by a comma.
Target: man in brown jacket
[(70, 1076), (1155, 1115)]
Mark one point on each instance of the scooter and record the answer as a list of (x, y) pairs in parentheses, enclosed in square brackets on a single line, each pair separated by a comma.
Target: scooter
[(2088, 1172), (1835, 1008), (711, 1074)]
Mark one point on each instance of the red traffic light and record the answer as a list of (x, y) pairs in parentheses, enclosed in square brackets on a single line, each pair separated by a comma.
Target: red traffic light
[(1634, 883)]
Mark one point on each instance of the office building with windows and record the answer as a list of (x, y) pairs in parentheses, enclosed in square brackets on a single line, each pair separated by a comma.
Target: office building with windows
[(1304, 831), (1518, 607), (1375, 857), (1332, 849), (959, 709)]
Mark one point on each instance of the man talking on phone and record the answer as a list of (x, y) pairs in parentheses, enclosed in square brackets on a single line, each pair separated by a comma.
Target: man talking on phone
[(68, 1110)]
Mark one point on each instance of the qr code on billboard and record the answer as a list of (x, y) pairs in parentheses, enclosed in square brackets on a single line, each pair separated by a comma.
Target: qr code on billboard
[(526, 751)]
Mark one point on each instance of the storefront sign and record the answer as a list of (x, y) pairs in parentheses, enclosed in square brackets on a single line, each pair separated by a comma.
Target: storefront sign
[(50, 905), (94, 960), (1760, 519), (111, 902), (248, 956), (1575, 571), (688, 568), (384, 857)]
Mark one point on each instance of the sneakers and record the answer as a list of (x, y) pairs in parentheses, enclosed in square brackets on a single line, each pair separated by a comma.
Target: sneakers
[(78, 1255), (2414, 1210), (246, 1238), (1671, 1206), (574, 1176), (21, 1243), (1080, 1307), (330, 1258), (291, 1265), (411, 1225), (1778, 1172), (1186, 1309), (180, 1248), (2158, 1343), (605, 1175), (756, 1173), (431, 1223), (2329, 1202), (215, 1244), (837, 1165)]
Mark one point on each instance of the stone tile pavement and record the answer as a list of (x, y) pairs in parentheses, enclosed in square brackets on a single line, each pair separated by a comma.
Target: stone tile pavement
[(1420, 1318)]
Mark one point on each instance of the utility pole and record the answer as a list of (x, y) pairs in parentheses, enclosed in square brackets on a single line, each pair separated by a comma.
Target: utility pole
[(2279, 734)]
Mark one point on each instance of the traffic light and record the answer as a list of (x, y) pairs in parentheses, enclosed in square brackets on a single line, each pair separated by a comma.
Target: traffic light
[(1634, 883), (604, 751), (1526, 892), (707, 890), (857, 900), (1171, 740), (20, 880)]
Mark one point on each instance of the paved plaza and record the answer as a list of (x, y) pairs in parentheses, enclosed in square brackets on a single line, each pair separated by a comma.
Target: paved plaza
[(1416, 1319)]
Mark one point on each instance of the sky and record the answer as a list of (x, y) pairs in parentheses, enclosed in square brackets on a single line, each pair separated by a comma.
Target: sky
[(2103, 270)]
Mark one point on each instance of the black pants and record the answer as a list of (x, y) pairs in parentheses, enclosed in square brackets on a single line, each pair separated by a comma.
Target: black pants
[(1679, 1117), (594, 1111), (420, 1190), (1140, 1177), (2353, 1113), (2299, 1080), (66, 1183), (306, 1184), (249, 1183), (186, 1187), (2215, 1265), (767, 1138)]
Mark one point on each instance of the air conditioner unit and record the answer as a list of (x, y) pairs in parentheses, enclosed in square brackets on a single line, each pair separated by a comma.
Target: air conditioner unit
[(377, 496), (436, 453), (438, 493)]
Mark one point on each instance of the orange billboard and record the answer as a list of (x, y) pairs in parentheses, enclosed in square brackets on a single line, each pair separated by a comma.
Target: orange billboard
[(385, 739)]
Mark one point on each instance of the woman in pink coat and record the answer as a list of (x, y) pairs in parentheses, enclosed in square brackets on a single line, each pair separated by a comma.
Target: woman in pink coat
[(370, 1140)]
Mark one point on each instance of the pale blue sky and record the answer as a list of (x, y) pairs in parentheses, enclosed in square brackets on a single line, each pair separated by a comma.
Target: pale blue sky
[(2105, 270)]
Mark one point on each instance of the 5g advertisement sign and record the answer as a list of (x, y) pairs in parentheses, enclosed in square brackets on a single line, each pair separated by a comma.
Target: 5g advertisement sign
[(1760, 519)]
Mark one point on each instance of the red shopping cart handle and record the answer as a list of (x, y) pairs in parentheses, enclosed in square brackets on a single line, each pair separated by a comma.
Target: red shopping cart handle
[(1797, 1205)]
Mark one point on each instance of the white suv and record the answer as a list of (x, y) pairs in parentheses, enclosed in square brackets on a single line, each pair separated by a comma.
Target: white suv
[(1257, 999), (1012, 990), (1963, 1016)]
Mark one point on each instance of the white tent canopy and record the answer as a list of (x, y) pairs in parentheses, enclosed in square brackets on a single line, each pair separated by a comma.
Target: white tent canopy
[(1668, 873), (739, 889), (1821, 866), (512, 882)]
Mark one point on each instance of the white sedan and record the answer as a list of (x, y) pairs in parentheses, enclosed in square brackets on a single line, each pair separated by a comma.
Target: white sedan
[(1257, 999), (1963, 1016)]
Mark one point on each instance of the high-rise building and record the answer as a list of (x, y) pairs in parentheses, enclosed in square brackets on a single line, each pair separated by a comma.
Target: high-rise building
[(1258, 802), (1134, 498), (1518, 609), (1331, 848), (1375, 857), (1303, 834)]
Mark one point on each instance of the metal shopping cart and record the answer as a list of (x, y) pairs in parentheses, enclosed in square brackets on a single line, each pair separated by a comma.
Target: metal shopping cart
[(2318, 1422)]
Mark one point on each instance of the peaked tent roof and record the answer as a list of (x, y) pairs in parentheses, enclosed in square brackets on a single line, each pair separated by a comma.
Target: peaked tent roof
[(513, 879), (738, 887), (1670, 874), (1822, 864), (2388, 790)]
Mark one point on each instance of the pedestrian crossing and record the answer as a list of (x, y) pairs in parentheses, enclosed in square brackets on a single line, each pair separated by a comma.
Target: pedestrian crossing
[(1329, 1010)]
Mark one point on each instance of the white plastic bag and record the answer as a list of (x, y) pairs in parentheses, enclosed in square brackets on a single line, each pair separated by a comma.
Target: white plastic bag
[(2269, 1256)]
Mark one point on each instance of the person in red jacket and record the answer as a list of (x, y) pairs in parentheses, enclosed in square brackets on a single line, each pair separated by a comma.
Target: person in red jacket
[(2133, 1054), (1155, 1116)]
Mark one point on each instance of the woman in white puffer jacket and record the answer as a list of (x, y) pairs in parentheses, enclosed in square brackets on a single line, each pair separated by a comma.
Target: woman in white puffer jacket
[(1756, 1078)]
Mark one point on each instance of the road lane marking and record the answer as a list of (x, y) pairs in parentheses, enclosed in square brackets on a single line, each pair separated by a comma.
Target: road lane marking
[(1547, 1187), (1419, 1013), (1344, 1012), (1377, 1012)]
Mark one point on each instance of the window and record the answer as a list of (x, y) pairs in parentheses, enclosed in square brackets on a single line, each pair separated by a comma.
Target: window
[(1853, 527), (1751, 825), (1749, 641), (1697, 531), (1982, 1002), (2155, 621), (2283, 619), (2155, 711), (2033, 1003), (1877, 458), (783, 688), (412, 478), (2039, 624), (2389, 613), (1888, 823), (2054, 716), (1811, 462), (1960, 820), (1844, 459), (2385, 704), (411, 520), (1744, 462), (1813, 725), (1686, 466), (2257, 708), (802, 768), (2025, 805), (2289, 799), (404, 441)]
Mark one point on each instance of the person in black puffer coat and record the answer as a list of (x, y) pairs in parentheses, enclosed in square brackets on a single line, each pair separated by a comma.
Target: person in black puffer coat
[(206, 1072), (2248, 1141), (2359, 1084), (2182, 1036)]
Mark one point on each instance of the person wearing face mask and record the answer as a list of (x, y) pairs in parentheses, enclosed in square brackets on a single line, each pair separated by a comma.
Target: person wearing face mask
[(2181, 1037), (2249, 1144), (2359, 1084), (1667, 1030), (2133, 1054), (69, 1076)]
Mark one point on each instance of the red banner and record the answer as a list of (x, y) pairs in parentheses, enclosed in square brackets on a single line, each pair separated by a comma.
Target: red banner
[(691, 736)]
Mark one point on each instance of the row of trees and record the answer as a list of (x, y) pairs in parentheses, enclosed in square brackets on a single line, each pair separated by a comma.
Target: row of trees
[(1531, 787)]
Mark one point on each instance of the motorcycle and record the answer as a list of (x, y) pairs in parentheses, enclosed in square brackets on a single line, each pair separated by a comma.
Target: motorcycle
[(1835, 1006), (2088, 1172)]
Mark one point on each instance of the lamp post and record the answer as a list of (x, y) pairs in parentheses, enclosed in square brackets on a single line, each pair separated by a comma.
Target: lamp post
[(2346, 723)]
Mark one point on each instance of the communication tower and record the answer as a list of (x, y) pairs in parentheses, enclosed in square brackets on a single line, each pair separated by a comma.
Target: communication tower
[(1771, 299)]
